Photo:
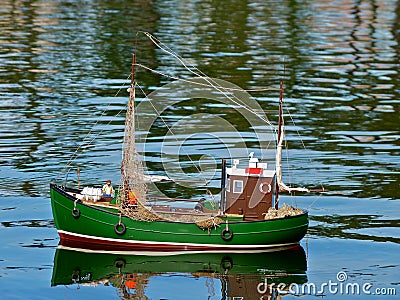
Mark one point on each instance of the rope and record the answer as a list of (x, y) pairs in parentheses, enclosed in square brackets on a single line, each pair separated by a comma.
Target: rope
[(203, 84), (199, 73), (303, 145)]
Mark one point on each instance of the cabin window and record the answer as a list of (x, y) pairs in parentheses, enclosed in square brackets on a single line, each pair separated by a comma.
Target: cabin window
[(228, 185), (238, 186)]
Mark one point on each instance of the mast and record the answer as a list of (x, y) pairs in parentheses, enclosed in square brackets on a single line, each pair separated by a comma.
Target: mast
[(279, 147), (132, 186)]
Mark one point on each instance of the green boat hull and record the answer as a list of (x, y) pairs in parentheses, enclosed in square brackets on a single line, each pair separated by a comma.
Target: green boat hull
[(98, 228)]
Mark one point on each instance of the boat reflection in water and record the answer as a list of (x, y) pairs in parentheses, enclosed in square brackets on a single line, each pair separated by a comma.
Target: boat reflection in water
[(242, 274)]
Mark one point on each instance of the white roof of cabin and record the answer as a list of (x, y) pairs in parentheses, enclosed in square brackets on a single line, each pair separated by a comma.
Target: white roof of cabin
[(242, 172)]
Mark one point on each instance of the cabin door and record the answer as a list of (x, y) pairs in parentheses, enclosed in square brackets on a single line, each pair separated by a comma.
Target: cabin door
[(258, 197)]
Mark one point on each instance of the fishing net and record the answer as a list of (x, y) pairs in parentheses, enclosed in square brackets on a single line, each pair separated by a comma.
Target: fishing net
[(284, 211), (143, 213), (132, 187), (209, 223), (140, 212)]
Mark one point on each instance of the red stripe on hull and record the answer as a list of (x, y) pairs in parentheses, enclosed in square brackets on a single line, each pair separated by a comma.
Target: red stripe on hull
[(92, 243)]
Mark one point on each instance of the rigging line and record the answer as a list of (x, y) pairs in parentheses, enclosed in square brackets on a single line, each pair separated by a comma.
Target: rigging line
[(83, 144), (169, 51), (312, 203), (284, 131), (295, 126), (76, 153), (287, 152), (215, 85), (172, 133), (196, 71), (203, 84), (297, 131), (123, 86), (238, 102), (74, 156), (289, 169)]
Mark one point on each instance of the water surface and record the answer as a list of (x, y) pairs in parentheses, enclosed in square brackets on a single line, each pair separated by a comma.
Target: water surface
[(63, 62)]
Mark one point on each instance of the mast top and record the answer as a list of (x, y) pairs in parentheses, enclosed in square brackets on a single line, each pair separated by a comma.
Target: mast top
[(281, 92)]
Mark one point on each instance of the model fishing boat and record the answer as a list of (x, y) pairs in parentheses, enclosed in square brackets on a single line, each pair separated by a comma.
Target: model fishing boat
[(248, 215)]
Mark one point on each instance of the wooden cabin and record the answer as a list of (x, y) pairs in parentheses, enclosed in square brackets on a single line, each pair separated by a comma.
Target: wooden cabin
[(249, 191)]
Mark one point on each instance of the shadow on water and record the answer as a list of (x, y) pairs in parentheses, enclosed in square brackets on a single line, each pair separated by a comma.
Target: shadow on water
[(234, 274), (29, 223)]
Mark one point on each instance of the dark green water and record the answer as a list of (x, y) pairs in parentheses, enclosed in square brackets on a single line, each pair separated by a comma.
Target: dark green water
[(62, 63)]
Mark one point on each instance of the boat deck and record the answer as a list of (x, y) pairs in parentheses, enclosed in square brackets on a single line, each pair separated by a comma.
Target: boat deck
[(164, 209)]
